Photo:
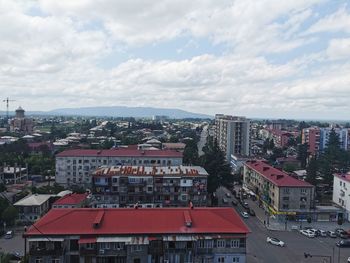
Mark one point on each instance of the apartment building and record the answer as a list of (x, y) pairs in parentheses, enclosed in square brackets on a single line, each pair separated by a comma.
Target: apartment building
[(127, 235), (232, 134), (311, 136), (341, 194), (317, 138), (73, 167), (281, 194), (126, 186)]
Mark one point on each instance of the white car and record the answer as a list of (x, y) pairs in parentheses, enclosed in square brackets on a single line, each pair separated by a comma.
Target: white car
[(307, 233), (275, 241), (245, 214), (348, 259)]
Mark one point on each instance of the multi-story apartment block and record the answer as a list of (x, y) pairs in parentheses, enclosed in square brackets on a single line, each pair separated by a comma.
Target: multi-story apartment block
[(74, 166), (341, 194), (280, 138), (311, 136), (126, 186), (281, 194), (232, 134), (152, 235), (317, 138)]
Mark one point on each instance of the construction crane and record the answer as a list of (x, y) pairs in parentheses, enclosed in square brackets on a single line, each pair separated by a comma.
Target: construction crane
[(7, 100)]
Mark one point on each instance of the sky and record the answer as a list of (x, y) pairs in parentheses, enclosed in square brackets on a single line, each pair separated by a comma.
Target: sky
[(266, 58)]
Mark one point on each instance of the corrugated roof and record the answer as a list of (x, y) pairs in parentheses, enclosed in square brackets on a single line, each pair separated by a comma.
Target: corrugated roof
[(35, 199), (276, 176), (130, 221), (71, 199)]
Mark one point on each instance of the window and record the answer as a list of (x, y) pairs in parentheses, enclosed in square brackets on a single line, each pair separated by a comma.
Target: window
[(104, 245), (235, 259), (235, 243), (55, 260), (286, 190), (285, 198), (220, 243), (38, 260), (303, 190), (136, 248), (118, 246), (205, 243), (302, 206), (221, 259), (285, 206)]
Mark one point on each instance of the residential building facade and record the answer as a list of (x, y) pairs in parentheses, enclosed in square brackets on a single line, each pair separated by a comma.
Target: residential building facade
[(232, 134), (33, 207), (126, 186), (173, 235), (341, 194), (73, 167), (281, 194)]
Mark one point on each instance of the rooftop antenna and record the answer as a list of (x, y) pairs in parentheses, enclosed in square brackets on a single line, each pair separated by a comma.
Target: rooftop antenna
[(7, 100)]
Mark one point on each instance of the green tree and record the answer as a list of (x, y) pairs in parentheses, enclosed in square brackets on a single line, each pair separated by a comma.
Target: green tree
[(215, 164), (190, 155), (302, 154), (10, 215), (311, 171)]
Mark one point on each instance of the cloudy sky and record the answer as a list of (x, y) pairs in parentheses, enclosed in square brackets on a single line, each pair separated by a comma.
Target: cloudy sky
[(266, 58)]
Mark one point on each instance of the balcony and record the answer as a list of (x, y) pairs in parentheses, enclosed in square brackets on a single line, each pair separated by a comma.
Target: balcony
[(36, 251), (88, 252)]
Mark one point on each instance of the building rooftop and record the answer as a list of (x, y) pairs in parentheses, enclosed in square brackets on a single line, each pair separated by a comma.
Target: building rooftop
[(119, 153), (152, 170), (276, 176), (35, 199), (130, 221), (71, 199), (344, 177), (12, 170)]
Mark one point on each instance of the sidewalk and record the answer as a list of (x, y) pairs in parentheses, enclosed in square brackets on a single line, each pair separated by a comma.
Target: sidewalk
[(273, 224)]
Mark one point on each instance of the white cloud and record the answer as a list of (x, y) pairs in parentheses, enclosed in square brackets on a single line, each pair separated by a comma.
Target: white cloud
[(335, 22), (339, 49)]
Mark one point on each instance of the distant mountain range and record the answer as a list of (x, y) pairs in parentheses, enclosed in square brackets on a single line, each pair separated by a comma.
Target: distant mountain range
[(119, 111)]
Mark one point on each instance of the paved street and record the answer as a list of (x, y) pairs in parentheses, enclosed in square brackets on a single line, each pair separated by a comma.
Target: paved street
[(296, 244), (15, 244), (202, 140)]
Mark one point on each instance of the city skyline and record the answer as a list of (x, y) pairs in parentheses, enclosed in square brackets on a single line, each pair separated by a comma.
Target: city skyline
[(269, 59)]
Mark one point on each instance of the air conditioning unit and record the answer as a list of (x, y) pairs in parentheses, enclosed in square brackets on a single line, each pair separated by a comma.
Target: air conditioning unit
[(102, 251)]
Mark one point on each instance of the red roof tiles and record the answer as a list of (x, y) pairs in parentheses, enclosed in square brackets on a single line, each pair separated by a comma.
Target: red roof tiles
[(139, 221), (119, 153), (71, 199), (276, 176)]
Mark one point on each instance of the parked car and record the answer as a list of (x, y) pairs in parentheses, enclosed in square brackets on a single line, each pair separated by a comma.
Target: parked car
[(321, 233), (245, 205), (343, 243), (245, 214), (341, 233), (251, 212), (224, 200), (275, 241), (228, 195), (9, 234), (331, 234), (348, 259), (307, 233), (315, 231), (234, 202)]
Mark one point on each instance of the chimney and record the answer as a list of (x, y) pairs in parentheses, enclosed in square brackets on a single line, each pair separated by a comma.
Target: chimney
[(266, 168), (98, 219)]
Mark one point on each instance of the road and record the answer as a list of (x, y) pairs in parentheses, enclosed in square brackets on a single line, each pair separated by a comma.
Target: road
[(296, 244), (15, 244), (202, 140)]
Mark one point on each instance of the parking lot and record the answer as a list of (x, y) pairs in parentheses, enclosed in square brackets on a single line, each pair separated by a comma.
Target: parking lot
[(296, 244)]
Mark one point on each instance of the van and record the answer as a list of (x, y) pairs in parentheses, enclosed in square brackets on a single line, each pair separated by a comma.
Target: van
[(9, 234)]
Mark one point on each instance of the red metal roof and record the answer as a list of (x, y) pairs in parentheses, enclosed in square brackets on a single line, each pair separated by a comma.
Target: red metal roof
[(71, 199), (119, 153), (276, 176), (132, 221)]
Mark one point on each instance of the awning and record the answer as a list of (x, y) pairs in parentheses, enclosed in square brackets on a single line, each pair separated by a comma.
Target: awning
[(86, 240), (114, 239), (48, 239), (179, 238)]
